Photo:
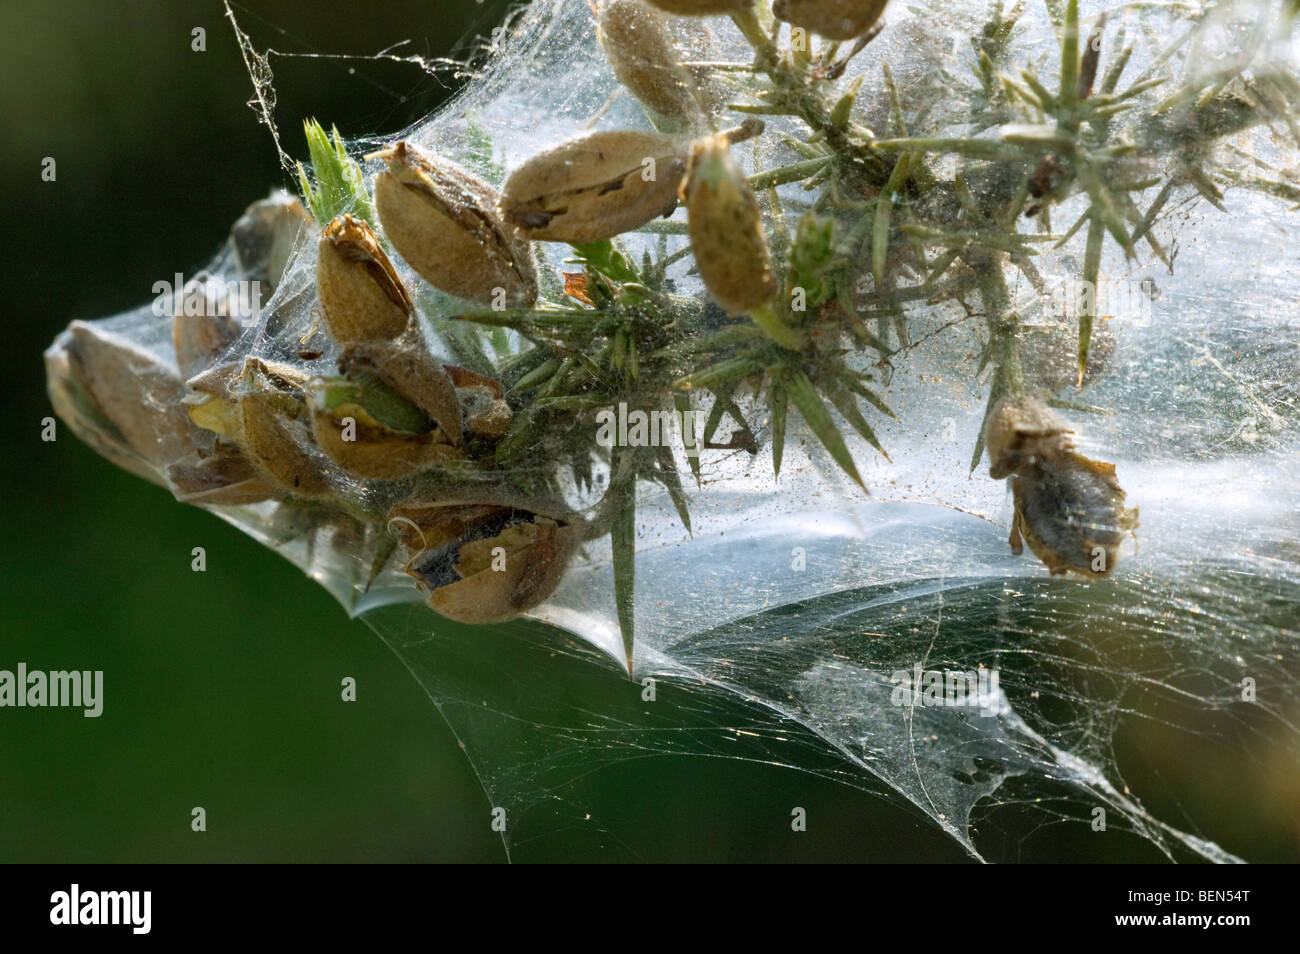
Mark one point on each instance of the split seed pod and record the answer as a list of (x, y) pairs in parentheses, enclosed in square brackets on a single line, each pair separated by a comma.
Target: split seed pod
[(483, 563), (370, 313), (124, 393), (373, 433), (118, 399), (1071, 513), (596, 186), (833, 19), (272, 428), (360, 293), (443, 221), (365, 446), (726, 229), (640, 49)]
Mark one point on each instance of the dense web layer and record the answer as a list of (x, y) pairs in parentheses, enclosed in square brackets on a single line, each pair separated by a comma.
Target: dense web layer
[(776, 629)]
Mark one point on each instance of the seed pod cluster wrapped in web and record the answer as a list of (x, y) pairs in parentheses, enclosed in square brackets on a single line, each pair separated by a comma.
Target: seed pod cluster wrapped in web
[(367, 382), (669, 276)]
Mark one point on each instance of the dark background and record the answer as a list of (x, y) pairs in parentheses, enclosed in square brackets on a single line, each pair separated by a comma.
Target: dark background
[(222, 688)]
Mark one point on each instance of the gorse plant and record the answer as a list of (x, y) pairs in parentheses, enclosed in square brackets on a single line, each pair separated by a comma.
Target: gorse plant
[(784, 293)]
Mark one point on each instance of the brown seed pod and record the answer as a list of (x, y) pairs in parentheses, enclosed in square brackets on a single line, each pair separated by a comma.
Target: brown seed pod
[(132, 390), (76, 406), (367, 448), (640, 49), (424, 525), (833, 19), (700, 8), (596, 186), (369, 311), (272, 422), (501, 561), (731, 251), (482, 402), (406, 365), (224, 478), (360, 293), (444, 222), (204, 324), (264, 236)]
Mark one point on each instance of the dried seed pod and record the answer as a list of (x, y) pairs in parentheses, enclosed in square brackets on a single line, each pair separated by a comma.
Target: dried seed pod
[(1021, 431), (726, 229), (75, 404), (443, 221), (369, 311), (360, 293), (640, 49), (833, 19), (502, 562), (596, 186), (1070, 510), (405, 364), (129, 388), (368, 448), (701, 8), (224, 478), (482, 402), (264, 236), (267, 419), (204, 323), (424, 525), (272, 419)]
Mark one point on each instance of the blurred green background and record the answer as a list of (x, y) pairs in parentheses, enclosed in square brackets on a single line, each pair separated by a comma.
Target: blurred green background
[(222, 688)]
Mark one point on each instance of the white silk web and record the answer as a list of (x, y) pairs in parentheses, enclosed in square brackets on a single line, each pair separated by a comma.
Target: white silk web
[(775, 630)]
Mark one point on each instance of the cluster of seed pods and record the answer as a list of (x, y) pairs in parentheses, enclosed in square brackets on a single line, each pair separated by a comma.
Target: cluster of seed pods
[(227, 429)]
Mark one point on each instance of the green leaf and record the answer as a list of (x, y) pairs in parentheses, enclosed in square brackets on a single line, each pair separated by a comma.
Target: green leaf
[(539, 375), (604, 258), (338, 186), (1116, 69), (856, 385), (884, 212), (780, 405), (1091, 270), (668, 476), (466, 343), (682, 403), (843, 109), (727, 371), (1070, 55), (847, 405), (479, 153), (721, 401), (622, 537), (818, 418)]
